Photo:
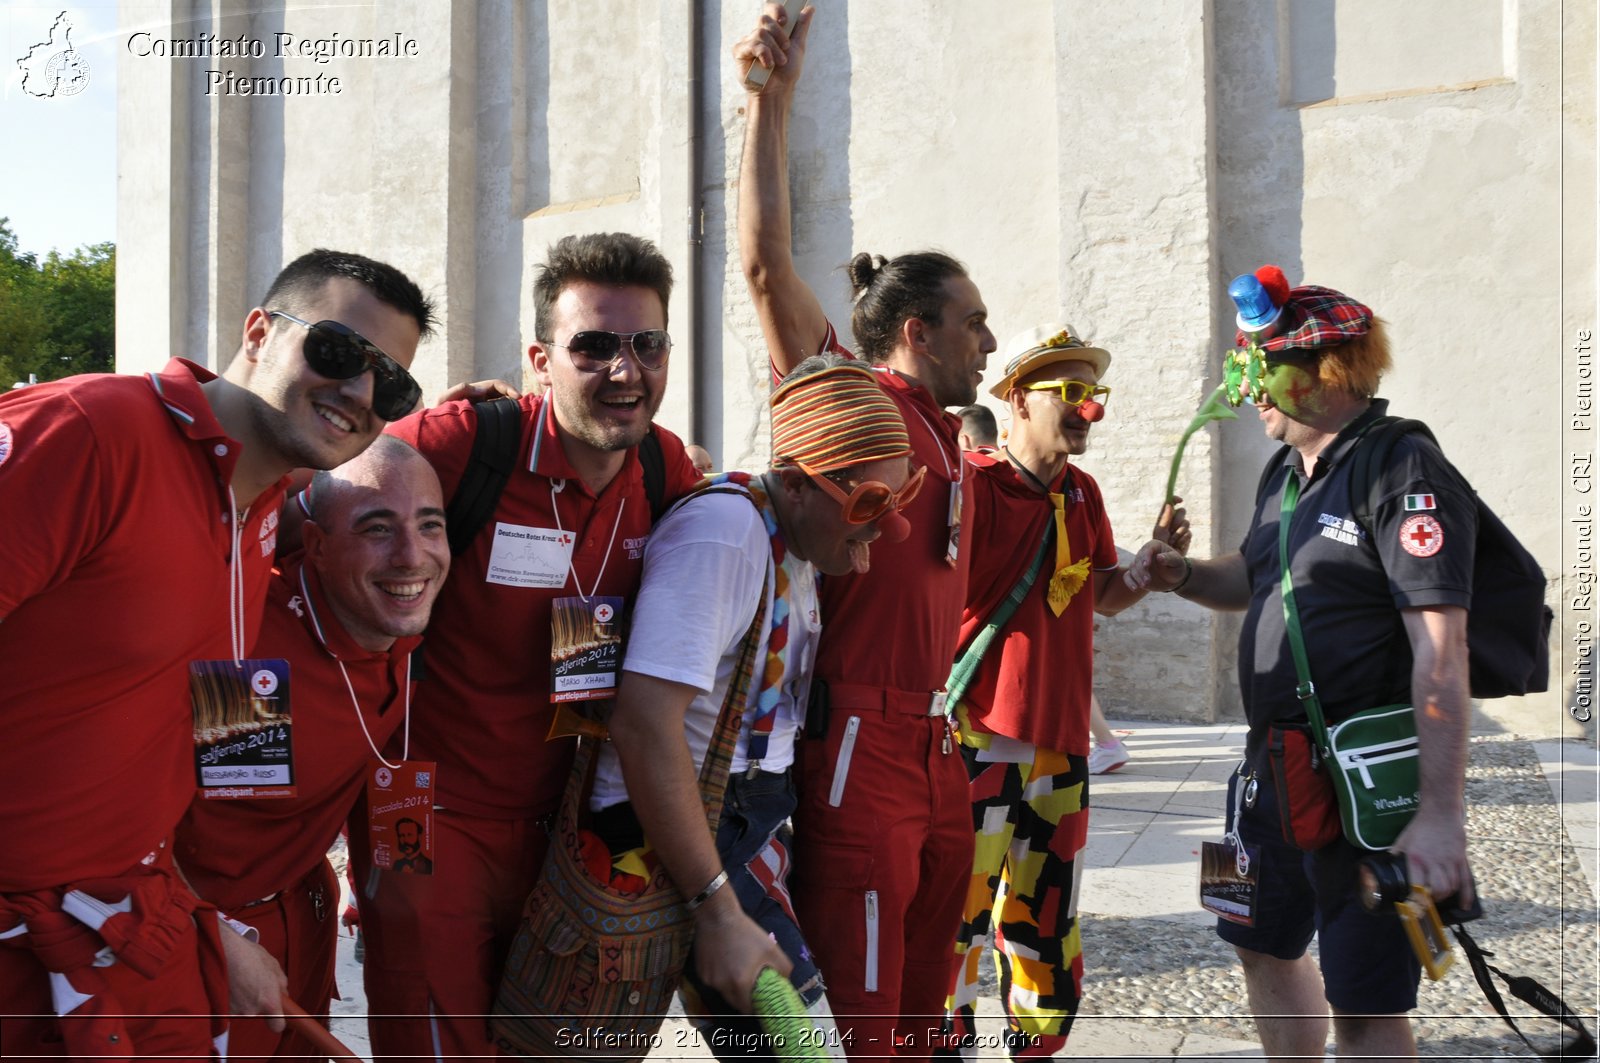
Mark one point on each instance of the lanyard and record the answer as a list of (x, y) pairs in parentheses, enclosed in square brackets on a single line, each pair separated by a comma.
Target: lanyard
[(1040, 484), (235, 518), (556, 487), (316, 625), (236, 581), (955, 474)]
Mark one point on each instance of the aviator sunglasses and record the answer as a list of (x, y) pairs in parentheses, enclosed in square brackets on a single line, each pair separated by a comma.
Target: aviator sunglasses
[(338, 352), (870, 499), (1074, 392), (596, 351)]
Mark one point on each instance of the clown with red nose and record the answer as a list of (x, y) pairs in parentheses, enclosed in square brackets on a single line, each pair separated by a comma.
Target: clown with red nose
[(1054, 360)]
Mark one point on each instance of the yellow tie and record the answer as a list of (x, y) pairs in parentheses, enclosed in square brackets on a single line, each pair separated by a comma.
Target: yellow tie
[(1069, 576)]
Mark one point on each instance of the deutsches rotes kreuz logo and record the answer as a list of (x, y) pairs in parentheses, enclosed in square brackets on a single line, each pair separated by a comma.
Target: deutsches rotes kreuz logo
[(53, 67)]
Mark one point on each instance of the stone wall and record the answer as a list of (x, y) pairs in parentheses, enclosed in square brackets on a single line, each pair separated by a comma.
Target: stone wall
[(1112, 164)]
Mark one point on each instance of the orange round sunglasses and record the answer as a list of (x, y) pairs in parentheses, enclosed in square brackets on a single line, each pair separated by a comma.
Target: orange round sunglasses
[(869, 499)]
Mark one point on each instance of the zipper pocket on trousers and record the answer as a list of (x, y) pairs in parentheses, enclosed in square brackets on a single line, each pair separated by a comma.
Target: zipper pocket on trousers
[(869, 981), (841, 767)]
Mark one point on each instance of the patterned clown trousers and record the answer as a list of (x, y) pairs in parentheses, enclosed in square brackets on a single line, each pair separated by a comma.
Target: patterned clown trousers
[(1032, 820)]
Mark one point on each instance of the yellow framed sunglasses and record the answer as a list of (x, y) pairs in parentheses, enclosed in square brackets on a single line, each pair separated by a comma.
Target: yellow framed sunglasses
[(1074, 392)]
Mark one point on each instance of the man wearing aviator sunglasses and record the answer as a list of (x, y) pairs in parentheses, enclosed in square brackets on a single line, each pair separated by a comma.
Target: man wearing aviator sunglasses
[(1024, 700), (570, 524), (153, 505)]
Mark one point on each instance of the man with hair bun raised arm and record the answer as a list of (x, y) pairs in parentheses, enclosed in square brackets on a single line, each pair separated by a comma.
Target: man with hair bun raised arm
[(883, 827)]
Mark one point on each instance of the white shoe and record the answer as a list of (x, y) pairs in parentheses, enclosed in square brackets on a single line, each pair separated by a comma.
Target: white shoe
[(1104, 759)]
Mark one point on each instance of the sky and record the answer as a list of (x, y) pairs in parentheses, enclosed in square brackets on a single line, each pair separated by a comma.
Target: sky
[(58, 155)]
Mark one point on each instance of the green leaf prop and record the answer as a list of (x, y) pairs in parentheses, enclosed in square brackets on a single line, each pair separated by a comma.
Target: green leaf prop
[(1215, 408)]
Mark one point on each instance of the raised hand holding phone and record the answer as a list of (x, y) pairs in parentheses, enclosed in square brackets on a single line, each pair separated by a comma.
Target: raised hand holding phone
[(769, 41)]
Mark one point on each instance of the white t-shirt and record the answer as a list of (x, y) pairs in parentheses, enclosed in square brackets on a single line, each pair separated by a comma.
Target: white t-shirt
[(703, 570)]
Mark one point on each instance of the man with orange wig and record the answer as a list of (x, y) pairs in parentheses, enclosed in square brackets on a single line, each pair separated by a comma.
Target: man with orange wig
[(1382, 602)]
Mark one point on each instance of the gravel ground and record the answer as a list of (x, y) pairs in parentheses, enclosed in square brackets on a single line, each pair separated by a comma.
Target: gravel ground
[(1540, 921)]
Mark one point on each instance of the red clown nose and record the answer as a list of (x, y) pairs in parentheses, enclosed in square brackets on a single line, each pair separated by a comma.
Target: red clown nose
[(1091, 411), (892, 527)]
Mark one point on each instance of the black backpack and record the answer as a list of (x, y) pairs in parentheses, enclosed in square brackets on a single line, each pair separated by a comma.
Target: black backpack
[(489, 468), (1508, 624)]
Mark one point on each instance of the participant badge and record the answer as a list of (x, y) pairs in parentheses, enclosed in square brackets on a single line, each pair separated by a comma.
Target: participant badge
[(585, 657), (1228, 881), (242, 728)]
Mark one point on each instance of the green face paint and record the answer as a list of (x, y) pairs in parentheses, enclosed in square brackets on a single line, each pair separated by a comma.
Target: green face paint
[(1291, 388)]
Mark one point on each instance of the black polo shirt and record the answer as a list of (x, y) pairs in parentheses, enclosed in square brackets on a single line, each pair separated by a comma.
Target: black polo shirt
[(1350, 586)]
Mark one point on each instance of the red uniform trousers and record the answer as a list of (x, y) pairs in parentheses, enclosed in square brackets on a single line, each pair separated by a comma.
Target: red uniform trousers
[(300, 927), (883, 849), (436, 944)]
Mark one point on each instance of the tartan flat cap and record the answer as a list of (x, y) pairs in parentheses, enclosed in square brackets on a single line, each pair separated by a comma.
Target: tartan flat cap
[(1315, 317)]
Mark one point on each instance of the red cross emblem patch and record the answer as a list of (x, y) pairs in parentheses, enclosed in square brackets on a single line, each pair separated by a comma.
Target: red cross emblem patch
[(1422, 535)]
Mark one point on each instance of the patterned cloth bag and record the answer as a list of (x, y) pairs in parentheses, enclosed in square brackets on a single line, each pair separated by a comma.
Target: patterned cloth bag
[(592, 969)]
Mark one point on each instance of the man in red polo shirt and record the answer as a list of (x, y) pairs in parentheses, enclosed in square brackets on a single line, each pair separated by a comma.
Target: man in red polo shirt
[(346, 614), (883, 815), (1024, 681), (570, 525), (142, 513)]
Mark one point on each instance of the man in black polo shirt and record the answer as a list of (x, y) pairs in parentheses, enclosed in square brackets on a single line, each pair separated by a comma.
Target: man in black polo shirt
[(1384, 616)]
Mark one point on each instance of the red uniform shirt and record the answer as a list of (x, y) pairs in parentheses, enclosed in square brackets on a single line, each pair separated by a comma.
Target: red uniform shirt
[(1034, 682), (911, 589), (114, 575), (235, 852), (483, 709)]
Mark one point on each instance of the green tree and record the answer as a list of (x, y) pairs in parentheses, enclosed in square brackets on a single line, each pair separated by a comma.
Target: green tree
[(57, 317), (80, 305), (24, 330)]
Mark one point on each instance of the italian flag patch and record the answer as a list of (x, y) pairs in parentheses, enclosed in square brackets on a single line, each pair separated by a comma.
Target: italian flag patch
[(1417, 503)]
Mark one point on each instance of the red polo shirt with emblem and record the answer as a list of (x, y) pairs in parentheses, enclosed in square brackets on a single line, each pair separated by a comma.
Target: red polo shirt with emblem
[(483, 709), (235, 852), (114, 575), (1035, 680)]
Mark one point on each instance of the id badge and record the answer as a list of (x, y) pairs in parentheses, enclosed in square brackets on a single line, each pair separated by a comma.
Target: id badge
[(524, 556), (586, 647), (400, 816), (242, 728), (1228, 881), (585, 657), (952, 550)]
